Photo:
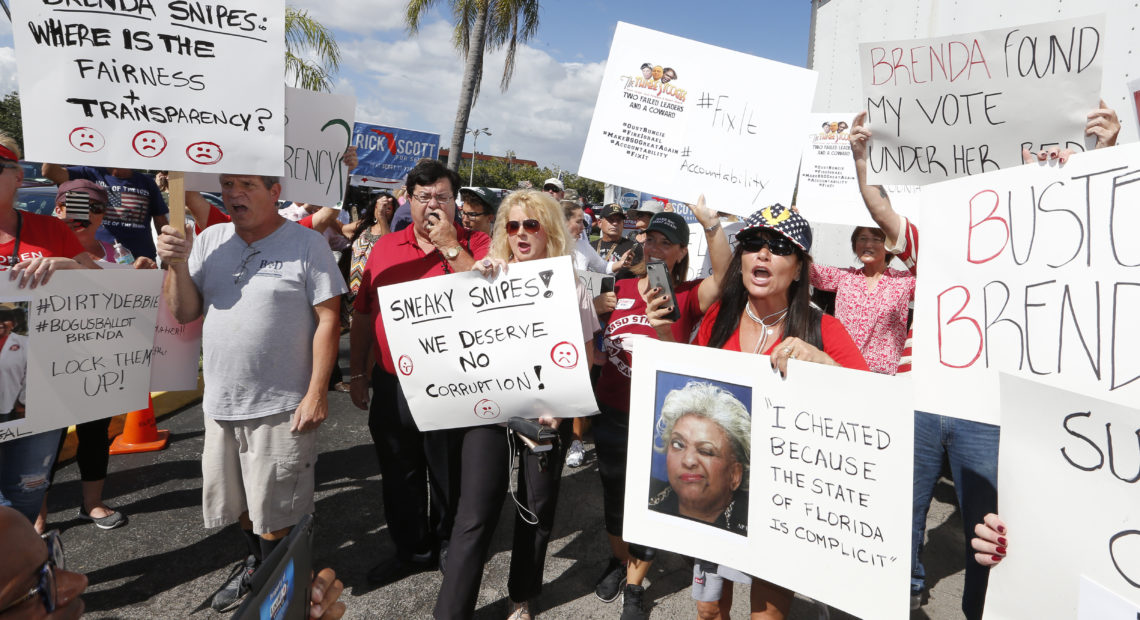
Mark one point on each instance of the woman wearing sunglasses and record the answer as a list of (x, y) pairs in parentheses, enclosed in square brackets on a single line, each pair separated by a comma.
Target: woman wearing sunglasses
[(33, 582), (766, 309), (529, 226), (666, 240)]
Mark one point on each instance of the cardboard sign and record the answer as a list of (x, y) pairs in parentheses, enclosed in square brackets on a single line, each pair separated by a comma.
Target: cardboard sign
[(471, 351), (90, 338), (318, 129), (1030, 271), (828, 486), (177, 347), (967, 104), (153, 85), (828, 190), (687, 118), (1086, 525), (387, 154)]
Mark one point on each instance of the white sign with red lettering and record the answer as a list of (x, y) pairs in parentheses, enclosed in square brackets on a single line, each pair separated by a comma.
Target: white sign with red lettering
[(1031, 271)]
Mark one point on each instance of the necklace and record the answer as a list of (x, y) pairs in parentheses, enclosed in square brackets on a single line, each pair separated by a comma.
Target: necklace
[(768, 327)]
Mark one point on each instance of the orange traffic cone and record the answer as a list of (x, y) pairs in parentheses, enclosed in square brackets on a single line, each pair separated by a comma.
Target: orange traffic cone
[(140, 434)]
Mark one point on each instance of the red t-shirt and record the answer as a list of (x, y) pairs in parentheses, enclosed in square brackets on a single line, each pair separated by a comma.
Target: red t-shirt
[(217, 217), (396, 258), (41, 235), (837, 342), (627, 323)]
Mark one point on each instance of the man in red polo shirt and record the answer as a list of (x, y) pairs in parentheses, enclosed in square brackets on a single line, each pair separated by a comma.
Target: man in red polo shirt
[(431, 246)]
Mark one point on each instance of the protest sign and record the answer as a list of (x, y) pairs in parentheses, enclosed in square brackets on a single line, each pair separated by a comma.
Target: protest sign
[(966, 104), (90, 338), (389, 153), (828, 190), (177, 347), (318, 129), (1027, 271), (471, 351), (174, 86), (591, 281), (686, 118), (827, 491), (1098, 603), (1085, 525)]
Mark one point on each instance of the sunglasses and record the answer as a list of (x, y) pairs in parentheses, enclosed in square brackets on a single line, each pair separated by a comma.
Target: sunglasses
[(780, 246), (531, 226), (470, 215), (45, 587)]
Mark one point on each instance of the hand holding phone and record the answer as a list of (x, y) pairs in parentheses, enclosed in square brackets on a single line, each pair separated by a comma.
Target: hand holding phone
[(659, 278)]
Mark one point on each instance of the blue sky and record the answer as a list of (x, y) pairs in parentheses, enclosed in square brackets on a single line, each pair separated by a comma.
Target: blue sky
[(414, 82)]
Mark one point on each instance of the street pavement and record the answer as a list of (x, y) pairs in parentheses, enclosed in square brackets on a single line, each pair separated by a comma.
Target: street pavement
[(164, 564)]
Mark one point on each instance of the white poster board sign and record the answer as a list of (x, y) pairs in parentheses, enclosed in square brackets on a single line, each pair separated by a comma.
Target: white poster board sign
[(1030, 271), (828, 190), (829, 484), (687, 118), (964, 104), (177, 347), (591, 281), (318, 129), (471, 351), (90, 344), (1086, 525), (1099, 603), (152, 85)]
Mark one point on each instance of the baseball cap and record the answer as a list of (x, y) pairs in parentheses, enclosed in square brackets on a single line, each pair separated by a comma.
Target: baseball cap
[(484, 195), (610, 210), (92, 189), (672, 225), (556, 182), (780, 219), (650, 206)]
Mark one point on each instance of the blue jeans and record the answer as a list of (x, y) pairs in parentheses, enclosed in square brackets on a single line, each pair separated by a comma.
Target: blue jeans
[(972, 448), (25, 470)]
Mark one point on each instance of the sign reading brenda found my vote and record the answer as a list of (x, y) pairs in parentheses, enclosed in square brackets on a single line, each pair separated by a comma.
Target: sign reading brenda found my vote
[(1031, 271), (685, 118), (1070, 472), (823, 499), (152, 85), (471, 351), (968, 104)]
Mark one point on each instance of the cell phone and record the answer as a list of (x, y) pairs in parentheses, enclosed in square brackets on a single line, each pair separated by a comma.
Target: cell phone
[(531, 429), (77, 206), (659, 277), (607, 284)]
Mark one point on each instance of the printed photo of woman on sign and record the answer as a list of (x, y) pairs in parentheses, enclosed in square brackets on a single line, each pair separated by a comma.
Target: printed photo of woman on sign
[(13, 360), (702, 450)]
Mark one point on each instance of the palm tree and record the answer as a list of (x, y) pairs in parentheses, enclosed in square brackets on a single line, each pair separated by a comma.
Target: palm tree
[(305, 33), (480, 26)]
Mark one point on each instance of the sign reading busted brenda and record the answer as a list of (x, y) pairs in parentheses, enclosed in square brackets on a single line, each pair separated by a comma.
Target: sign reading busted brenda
[(153, 85), (687, 118), (1086, 525), (805, 487), (471, 351), (968, 104), (1030, 271)]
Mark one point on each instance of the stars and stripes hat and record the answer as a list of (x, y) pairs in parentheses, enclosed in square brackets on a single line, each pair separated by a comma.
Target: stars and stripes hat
[(95, 193), (782, 220)]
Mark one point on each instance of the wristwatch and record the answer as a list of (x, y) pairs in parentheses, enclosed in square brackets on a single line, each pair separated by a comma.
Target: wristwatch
[(451, 253)]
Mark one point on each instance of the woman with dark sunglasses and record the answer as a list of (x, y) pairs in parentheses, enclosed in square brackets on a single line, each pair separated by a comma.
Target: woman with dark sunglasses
[(529, 226), (33, 582)]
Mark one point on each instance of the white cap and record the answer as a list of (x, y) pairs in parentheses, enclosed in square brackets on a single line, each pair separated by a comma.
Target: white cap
[(555, 181)]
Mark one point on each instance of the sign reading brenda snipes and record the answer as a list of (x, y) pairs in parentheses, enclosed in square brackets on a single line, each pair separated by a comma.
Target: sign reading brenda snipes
[(471, 351), (686, 118), (153, 85), (968, 104)]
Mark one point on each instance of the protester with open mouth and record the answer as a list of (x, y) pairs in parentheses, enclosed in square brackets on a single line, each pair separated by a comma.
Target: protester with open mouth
[(529, 226), (667, 240)]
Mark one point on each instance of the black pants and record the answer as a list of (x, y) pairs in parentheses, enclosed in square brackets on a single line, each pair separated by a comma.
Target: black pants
[(92, 452), (611, 438), (485, 466), (409, 461)]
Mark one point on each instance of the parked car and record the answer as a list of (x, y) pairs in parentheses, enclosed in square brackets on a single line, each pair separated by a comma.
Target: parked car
[(37, 199)]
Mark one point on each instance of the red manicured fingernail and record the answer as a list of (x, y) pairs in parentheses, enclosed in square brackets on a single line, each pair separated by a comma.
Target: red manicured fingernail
[(1001, 550), (1001, 529), (1001, 541), (996, 558)]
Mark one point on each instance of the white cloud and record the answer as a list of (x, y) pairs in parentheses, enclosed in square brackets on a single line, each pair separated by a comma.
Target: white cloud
[(357, 16), (8, 79)]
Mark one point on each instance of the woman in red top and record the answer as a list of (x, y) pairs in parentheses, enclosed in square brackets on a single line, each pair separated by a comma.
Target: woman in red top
[(667, 240), (766, 309)]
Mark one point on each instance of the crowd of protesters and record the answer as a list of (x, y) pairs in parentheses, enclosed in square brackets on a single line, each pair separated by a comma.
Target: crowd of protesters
[(443, 491)]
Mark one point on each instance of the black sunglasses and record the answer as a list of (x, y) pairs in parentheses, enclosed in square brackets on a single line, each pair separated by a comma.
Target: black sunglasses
[(45, 587), (780, 246), (531, 226)]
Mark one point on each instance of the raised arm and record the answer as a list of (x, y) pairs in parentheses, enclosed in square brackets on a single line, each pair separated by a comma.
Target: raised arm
[(57, 173), (720, 254), (874, 196), (182, 295)]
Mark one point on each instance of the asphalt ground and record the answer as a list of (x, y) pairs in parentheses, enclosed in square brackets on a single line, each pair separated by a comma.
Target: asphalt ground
[(164, 564)]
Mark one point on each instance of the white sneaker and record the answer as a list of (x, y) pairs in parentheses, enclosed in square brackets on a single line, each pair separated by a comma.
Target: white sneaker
[(576, 455)]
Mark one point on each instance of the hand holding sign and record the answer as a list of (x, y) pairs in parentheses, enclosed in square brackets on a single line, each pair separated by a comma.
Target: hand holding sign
[(1104, 125), (990, 541)]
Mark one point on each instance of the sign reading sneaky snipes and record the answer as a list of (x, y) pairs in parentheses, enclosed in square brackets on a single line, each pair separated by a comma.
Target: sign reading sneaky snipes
[(471, 351)]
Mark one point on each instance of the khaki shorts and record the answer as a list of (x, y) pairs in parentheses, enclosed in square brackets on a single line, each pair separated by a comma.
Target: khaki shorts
[(259, 466)]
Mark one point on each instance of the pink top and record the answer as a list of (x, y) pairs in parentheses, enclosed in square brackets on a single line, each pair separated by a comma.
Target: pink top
[(876, 319)]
